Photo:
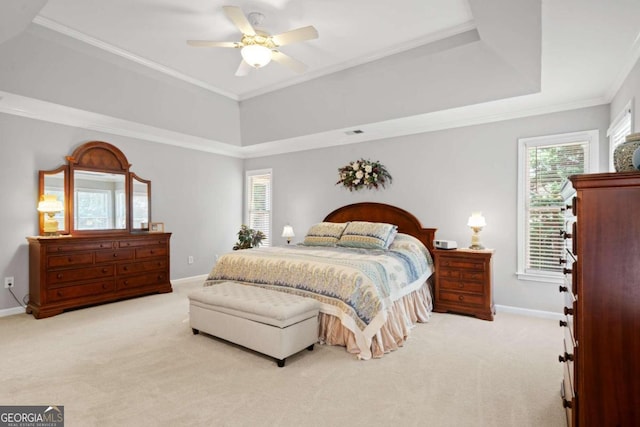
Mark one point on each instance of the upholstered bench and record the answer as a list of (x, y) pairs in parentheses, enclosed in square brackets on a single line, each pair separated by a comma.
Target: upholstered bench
[(270, 322)]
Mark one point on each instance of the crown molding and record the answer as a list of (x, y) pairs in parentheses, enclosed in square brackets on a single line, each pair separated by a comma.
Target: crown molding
[(77, 35), (32, 108), (489, 112)]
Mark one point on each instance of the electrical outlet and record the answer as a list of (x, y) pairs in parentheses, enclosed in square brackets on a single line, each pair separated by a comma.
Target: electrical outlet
[(190, 259), (8, 282)]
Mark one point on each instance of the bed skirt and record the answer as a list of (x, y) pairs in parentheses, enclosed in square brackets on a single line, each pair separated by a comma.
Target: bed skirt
[(401, 317)]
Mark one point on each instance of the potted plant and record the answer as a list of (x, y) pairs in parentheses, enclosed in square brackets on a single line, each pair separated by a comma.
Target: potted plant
[(248, 238)]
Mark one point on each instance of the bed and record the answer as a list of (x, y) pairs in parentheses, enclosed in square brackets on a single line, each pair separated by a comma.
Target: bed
[(373, 287)]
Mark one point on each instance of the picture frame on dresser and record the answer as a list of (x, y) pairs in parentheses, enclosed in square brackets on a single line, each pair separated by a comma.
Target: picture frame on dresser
[(156, 227)]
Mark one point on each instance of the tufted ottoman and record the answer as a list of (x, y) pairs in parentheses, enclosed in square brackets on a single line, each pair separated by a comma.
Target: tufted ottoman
[(270, 322)]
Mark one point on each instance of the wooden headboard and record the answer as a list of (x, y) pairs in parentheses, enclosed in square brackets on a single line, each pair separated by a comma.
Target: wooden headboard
[(379, 212)]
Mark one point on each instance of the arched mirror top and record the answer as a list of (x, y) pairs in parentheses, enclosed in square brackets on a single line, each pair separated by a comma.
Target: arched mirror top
[(98, 192)]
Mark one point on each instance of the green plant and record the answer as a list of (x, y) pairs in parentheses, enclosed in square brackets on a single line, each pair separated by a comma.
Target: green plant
[(248, 238)]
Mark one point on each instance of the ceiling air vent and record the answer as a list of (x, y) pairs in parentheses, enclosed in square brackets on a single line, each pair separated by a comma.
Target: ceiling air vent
[(354, 132)]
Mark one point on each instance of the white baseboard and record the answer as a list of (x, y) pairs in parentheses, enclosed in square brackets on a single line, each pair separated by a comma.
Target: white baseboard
[(528, 312), (11, 311), (184, 280)]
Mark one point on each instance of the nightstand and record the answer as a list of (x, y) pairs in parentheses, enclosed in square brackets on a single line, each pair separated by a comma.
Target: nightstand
[(464, 280)]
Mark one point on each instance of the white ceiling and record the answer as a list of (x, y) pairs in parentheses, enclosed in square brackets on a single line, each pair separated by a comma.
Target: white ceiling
[(351, 32), (587, 47)]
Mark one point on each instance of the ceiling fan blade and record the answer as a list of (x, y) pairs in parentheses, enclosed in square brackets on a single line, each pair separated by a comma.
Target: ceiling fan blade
[(297, 35), (288, 61), (237, 16), (207, 43), (243, 69)]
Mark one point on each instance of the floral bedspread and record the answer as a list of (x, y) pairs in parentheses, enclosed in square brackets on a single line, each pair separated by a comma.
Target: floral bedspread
[(356, 285)]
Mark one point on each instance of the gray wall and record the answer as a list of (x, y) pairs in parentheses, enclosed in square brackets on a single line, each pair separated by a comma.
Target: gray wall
[(197, 195), (441, 177), (630, 90)]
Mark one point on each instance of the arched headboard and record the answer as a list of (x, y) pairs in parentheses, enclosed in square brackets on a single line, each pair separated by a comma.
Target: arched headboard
[(379, 212)]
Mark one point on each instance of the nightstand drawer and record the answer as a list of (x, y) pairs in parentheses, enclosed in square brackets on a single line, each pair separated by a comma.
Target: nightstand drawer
[(461, 264), (462, 274), (460, 298), (461, 285)]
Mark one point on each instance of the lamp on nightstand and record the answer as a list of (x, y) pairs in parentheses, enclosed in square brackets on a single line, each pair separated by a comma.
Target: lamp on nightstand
[(50, 205), (476, 222), (287, 232)]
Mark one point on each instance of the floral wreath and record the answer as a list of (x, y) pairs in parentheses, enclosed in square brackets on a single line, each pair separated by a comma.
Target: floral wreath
[(363, 174)]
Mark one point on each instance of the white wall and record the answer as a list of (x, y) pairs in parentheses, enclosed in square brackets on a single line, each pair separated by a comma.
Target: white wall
[(441, 177), (197, 195), (630, 90)]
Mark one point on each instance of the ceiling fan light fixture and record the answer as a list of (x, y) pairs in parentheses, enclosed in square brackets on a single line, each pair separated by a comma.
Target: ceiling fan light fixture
[(255, 55)]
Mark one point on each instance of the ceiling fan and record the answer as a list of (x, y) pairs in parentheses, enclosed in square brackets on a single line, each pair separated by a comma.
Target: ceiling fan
[(258, 48)]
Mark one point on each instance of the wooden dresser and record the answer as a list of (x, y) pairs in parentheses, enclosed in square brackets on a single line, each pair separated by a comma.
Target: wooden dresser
[(601, 354), (75, 271), (464, 282)]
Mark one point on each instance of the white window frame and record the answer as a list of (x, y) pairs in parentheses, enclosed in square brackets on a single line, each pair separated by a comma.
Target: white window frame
[(248, 180), (621, 126), (592, 138)]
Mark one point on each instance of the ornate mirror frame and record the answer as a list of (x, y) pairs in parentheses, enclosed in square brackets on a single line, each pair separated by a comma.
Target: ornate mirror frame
[(97, 157)]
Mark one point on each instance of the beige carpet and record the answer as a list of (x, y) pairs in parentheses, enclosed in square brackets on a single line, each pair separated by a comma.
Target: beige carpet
[(136, 363)]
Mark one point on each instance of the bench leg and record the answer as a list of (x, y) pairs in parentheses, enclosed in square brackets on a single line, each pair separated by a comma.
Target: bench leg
[(195, 331), (281, 362), (310, 348)]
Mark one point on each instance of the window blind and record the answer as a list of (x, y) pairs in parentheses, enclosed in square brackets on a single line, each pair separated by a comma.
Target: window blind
[(549, 166), (259, 204)]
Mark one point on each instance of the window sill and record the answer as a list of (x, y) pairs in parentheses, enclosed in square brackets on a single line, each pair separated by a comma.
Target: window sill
[(542, 278)]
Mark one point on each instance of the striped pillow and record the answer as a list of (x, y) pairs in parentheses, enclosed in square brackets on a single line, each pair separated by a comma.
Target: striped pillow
[(368, 235), (324, 234)]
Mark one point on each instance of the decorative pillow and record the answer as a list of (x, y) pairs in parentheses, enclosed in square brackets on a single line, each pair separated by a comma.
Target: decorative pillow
[(324, 234), (368, 235)]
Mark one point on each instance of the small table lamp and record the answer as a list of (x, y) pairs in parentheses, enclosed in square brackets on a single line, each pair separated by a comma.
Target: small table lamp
[(287, 232), (476, 222), (50, 205)]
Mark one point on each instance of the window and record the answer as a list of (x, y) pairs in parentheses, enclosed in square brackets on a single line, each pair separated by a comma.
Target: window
[(259, 202), (619, 129), (544, 164)]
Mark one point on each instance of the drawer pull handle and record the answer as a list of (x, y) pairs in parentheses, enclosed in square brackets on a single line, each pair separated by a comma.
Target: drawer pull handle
[(127, 244), (151, 251), (125, 268), (69, 259), (568, 311), (59, 293), (563, 323), (104, 286), (105, 270), (160, 278), (567, 271), (563, 289), (461, 297), (562, 261), (126, 282), (115, 255), (566, 358), (566, 403), (59, 275), (461, 285)]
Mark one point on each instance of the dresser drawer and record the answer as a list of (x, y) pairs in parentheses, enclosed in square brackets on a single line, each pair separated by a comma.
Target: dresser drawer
[(115, 255), (150, 252), (461, 285), (139, 267), (460, 298), (73, 275), (135, 243), (54, 261), (460, 263), (77, 291), (84, 246), (142, 280)]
